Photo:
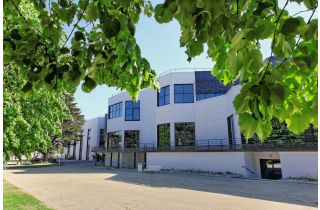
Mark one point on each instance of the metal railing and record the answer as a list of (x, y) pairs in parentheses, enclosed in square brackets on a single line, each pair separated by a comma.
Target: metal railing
[(168, 72), (217, 145), (183, 70)]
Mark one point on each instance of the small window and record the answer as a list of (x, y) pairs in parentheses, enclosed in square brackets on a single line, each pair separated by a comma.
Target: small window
[(183, 93), (115, 110), (132, 111), (164, 96)]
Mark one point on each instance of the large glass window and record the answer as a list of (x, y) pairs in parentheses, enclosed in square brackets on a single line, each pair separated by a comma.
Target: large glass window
[(164, 96), (132, 111), (230, 129), (101, 138), (131, 139), (115, 110), (183, 93), (114, 139), (88, 143), (185, 134), (163, 135)]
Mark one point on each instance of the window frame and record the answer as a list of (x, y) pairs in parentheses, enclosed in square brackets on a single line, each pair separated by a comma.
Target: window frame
[(167, 125), (194, 133), (132, 108), (164, 88), (118, 144), (113, 110), (125, 139), (183, 94)]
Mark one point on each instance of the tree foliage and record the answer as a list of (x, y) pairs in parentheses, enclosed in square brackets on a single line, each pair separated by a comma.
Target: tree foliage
[(29, 123), (103, 50), (71, 128)]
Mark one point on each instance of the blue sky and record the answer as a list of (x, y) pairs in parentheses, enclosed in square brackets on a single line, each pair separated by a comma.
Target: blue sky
[(159, 43)]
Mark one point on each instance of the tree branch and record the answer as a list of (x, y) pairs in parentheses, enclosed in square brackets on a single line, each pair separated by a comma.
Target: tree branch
[(75, 25), (297, 42), (274, 34), (307, 10), (16, 7)]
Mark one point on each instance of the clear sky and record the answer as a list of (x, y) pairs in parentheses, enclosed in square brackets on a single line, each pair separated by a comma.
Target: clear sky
[(159, 43)]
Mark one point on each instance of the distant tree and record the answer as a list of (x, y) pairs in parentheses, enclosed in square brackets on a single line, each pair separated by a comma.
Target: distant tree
[(71, 128), (29, 122)]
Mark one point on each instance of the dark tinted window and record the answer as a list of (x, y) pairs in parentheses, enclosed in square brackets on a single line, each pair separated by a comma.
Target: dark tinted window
[(131, 139), (164, 96), (114, 139), (184, 134), (163, 135), (115, 110), (183, 93), (132, 111)]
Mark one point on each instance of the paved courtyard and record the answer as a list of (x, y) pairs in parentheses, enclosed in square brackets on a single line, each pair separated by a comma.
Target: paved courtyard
[(83, 186)]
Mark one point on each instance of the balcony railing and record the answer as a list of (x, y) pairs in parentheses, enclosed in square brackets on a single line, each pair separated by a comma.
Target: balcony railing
[(286, 143)]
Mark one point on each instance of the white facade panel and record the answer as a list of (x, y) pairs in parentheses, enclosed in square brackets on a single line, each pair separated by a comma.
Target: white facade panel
[(207, 161), (299, 164)]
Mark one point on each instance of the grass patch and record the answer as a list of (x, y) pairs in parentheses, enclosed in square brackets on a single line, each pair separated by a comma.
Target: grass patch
[(14, 198)]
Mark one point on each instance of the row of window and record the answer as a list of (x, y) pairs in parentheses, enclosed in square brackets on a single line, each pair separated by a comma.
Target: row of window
[(132, 111), (184, 136), (183, 93)]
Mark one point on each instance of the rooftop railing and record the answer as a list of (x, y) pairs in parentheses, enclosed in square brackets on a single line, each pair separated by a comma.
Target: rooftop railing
[(171, 71)]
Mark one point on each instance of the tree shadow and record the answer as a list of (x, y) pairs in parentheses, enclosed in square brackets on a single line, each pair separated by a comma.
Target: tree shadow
[(284, 192), (278, 191)]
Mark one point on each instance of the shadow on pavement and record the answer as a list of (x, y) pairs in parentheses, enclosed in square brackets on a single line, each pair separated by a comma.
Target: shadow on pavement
[(293, 193)]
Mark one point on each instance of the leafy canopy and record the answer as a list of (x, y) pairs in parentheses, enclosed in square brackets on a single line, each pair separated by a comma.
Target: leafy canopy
[(103, 50), (29, 123)]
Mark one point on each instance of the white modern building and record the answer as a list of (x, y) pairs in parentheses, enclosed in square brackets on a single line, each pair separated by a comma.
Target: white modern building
[(191, 124), (92, 135)]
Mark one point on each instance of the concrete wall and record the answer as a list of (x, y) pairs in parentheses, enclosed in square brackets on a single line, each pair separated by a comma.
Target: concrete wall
[(207, 161), (299, 164)]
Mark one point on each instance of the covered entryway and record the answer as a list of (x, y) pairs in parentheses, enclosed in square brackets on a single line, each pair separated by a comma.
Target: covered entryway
[(270, 169)]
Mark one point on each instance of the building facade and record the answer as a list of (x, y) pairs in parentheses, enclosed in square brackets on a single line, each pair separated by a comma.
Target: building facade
[(191, 124), (92, 135)]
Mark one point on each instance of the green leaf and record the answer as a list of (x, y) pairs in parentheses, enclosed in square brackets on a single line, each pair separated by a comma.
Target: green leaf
[(63, 3), (297, 122), (282, 48), (263, 129), (247, 124), (262, 29), (293, 26), (91, 12), (277, 94), (88, 85), (238, 41), (200, 3), (194, 48), (310, 3)]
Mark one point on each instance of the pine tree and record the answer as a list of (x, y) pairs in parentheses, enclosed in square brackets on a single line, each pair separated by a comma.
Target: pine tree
[(71, 128)]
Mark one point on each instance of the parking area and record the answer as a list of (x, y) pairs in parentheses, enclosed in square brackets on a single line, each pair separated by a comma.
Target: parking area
[(80, 185)]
